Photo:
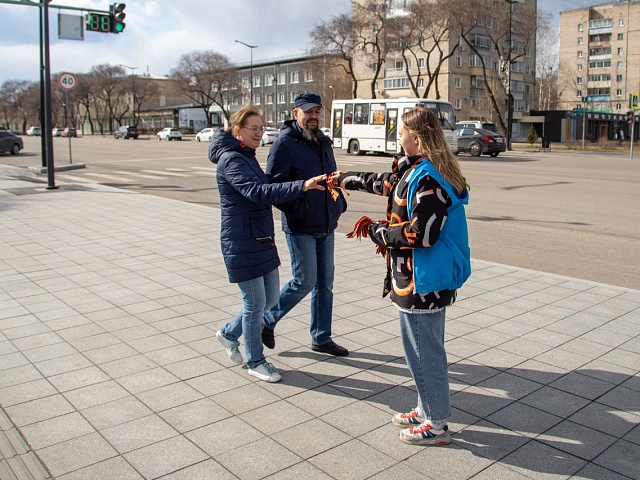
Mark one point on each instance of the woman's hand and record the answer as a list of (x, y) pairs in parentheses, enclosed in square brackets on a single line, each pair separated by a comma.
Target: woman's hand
[(314, 183)]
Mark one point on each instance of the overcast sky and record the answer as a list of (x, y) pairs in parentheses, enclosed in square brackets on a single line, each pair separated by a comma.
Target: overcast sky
[(158, 32)]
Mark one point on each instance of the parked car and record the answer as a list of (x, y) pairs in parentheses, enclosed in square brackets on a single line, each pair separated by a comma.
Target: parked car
[(10, 142), (126, 132), (34, 131), (492, 127), (205, 135), (478, 141), (269, 135), (56, 132), (326, 131), (169, 134), (69, 132)]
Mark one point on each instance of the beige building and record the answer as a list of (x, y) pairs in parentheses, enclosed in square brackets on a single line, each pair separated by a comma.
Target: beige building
[(600, 56), (460, 78)]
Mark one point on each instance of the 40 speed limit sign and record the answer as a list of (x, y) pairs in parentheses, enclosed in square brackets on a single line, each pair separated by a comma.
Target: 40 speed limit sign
[(67, 81)]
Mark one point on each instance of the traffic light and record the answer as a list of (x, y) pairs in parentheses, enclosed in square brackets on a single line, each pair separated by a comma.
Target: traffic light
[(630, 116), (117, 17)]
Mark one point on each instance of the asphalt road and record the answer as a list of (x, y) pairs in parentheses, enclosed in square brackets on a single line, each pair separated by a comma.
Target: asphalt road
[(566, 212)]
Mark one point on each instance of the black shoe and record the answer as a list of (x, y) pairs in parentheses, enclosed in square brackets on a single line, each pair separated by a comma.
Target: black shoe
[(268, 340), (332, 348)]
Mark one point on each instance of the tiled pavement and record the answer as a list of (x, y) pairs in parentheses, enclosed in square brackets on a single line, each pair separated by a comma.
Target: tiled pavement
[(109, 368)]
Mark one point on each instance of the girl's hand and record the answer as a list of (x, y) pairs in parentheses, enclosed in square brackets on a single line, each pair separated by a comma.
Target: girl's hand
[(314, 183)]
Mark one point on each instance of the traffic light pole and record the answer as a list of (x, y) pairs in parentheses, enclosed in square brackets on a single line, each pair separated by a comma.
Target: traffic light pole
[(633, 124)]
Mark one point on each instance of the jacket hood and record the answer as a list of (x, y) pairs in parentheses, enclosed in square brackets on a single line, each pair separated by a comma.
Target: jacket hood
[(223, 142)]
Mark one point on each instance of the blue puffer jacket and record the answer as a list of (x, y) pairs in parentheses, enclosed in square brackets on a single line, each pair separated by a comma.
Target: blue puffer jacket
[(247, 230), (293, 157)]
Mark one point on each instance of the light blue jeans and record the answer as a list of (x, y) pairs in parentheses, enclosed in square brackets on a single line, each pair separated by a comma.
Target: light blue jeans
[(313, 270), (258, 295), (423, 343)]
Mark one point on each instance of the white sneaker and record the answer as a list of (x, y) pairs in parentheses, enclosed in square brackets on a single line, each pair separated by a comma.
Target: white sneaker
[(267, 372), (231, 347)]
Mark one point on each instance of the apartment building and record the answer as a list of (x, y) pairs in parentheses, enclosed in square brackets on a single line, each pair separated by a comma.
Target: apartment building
[(600, 56), (599, 68), (273, 84), (461, 77)]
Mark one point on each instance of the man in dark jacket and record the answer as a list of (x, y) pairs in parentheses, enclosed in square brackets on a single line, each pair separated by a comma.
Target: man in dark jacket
[(302, 151)]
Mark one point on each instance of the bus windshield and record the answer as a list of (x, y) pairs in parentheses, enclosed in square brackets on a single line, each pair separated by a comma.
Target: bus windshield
[(444, 112)]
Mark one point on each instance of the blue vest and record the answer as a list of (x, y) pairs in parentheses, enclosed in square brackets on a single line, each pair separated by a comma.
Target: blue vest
[(446, 265)]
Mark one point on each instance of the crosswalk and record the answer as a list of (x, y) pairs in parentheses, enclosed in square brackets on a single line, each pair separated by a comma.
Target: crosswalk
[(130, 176)]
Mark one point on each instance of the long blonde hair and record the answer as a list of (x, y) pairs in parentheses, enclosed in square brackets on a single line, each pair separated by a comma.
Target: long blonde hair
[(240, 116), (424, 125)]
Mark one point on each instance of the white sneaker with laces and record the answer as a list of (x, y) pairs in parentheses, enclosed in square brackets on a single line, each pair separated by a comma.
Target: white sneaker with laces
[(231, 347), (267, 372)]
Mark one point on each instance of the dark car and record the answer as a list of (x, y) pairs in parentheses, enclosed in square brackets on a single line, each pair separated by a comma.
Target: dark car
[(126, 132), (478, 141), (69, 132), (10, 142)]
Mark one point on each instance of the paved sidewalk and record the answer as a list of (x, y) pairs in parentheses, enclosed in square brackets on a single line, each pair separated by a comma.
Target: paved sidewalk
[(109, 367)]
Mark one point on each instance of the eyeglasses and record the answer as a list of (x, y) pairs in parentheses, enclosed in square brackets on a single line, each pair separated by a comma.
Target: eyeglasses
[(255, 130)]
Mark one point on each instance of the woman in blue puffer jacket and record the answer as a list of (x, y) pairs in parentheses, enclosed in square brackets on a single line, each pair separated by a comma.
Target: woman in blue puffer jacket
[(247, 233)]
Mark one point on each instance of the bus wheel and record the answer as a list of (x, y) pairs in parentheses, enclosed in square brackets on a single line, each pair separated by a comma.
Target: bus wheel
[(354, 148)]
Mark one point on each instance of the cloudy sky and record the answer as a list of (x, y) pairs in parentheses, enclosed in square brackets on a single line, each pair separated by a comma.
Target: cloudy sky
[(158, 32)]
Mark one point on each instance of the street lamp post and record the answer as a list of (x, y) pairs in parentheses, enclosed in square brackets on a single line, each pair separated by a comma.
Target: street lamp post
[(133, 91), (250, 69)]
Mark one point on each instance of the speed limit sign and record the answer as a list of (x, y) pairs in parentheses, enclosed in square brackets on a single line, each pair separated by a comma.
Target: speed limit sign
[(67, 81)]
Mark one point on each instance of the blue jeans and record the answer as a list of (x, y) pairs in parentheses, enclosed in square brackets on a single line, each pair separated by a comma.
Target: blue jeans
[(313, 270), (258, 295), (423, 343)]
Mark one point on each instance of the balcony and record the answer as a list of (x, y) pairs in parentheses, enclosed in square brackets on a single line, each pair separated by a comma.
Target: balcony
[(606, 56)]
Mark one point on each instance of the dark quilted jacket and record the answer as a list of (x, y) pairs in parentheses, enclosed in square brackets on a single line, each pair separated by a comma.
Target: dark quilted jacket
[(246, 230)]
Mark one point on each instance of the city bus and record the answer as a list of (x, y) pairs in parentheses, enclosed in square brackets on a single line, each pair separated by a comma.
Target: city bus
[(371, 125)]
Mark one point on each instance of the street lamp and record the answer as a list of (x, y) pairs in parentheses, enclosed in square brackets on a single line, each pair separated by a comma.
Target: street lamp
[(133, 91), (250, 68)]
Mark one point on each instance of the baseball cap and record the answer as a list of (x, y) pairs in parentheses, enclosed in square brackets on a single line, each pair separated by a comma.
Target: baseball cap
[(307, 101)]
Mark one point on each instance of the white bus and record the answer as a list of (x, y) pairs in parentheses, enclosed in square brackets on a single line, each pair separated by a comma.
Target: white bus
[(371, 125)]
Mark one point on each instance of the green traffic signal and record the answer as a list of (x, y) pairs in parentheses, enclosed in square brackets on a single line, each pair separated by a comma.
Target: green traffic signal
[(117, 17)]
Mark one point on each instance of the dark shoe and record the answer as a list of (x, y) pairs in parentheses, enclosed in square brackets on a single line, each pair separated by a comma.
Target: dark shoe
[(268, 339), (332, 348)]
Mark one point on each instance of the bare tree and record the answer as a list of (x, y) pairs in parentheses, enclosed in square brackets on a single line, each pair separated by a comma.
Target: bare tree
[(487, 25), (207, 78), (17, 107), (370, 34), (547, 66), (334, 39), (109, 89)]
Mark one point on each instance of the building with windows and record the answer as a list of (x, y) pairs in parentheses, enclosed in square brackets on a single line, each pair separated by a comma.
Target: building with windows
[(409, 63), (273, 84), (600, 63)]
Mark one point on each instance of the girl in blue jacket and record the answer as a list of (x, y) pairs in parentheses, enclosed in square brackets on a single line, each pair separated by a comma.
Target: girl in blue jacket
[(247, 234), (425, 242)]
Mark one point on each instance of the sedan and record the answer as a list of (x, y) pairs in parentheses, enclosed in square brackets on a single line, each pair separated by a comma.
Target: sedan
[(478, 141), (205, 135), (10, 142), (169, 134), (56, 132), (126, 132), (269, 136)]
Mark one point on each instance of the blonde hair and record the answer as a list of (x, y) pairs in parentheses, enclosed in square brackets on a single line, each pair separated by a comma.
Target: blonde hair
[(424, 125), (240, 116)]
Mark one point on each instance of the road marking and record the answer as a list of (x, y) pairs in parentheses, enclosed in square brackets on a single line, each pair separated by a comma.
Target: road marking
[(109, 177), (141, 175), (206, 169), (73, 178), (171, 174)]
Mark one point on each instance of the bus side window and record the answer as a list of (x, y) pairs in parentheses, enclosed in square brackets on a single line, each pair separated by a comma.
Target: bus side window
[(361, 112), (348, 113)]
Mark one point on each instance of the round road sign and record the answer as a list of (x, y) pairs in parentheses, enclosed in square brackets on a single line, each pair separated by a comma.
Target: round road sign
[(67, 81)]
